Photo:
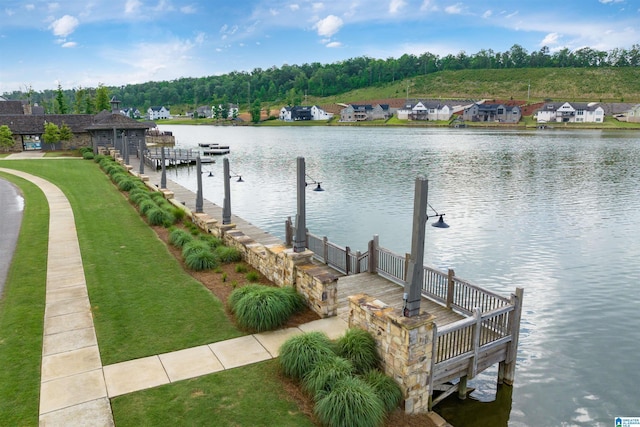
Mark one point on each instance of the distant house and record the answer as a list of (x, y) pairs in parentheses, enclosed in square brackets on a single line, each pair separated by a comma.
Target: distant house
[(425, 110), (497, 113), (570, 112), (155, 113), (633, 114), (131, 112), (363, 112), (203, 112), (295, 113), (319, 114)]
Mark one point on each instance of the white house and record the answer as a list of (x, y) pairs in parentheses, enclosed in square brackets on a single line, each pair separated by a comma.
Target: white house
[(570, 112), (425, 110), (155, 113), (318, 113)]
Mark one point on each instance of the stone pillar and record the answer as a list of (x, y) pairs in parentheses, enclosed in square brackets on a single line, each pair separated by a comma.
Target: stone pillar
[(404, 343)]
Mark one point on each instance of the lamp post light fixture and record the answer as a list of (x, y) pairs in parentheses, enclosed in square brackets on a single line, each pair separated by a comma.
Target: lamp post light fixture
[(415, 272), (163, 177), (199, 199), (226, 205), (300, 238)]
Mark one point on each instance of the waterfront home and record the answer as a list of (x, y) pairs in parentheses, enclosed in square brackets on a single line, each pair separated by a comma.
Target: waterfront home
[(631, 115), (570, 112), (296, 113), (497, 113), (158, 112), (131, 112), (363, 112), (425, 110)]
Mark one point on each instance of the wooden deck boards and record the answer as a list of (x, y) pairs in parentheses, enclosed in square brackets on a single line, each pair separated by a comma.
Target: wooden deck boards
[(387, 292)]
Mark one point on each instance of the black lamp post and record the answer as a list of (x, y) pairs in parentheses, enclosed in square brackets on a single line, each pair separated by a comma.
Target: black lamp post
[(300, 238), (141, 156), (415, 272), (199, 199), (163, 176)]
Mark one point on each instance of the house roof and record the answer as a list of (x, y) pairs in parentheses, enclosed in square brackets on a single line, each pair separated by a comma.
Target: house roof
[(24, 124), (11, 107), (156, 107), (114, 120)]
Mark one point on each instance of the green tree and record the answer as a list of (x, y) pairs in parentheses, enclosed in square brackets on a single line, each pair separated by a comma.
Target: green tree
[(6, 137), (255, 111), (51, 134), (65, 132), (61, 103), (102, 98), (80, 102)]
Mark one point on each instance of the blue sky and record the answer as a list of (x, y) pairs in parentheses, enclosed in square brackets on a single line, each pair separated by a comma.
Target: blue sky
[(117, 42)]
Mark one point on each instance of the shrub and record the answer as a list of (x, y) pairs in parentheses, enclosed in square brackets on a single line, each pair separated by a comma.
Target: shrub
[(157, 196), (178, 213), (252, 276), (295, 299), (385, 388), (228, 254), (194, 246), (325, 373), (98, 158), (137, 195), (146, 205), (238, 293), (262, 309), (118, 177), (126, 184), (179, 237), (350, 403), (299, 354), (202, 260), (87, 155), (359, 347), (159, 216), (241, 268), (213, 241)]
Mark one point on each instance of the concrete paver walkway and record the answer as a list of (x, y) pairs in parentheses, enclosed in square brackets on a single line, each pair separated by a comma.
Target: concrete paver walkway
[(75, 387)]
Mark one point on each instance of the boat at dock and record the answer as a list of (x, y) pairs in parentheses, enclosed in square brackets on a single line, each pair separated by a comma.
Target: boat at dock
[(214, 149)]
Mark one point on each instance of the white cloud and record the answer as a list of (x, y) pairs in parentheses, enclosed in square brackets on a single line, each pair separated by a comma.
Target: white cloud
[(610, 1), (427, 5), (550, 39), (9, 12), (163, 6), (328, 26), (190, 9), (200, 38), (396, 5), (294, 7), (132, 6), (511, 15), (30, 6), (334, 44), (317, 6), (69, 44), (64, 26), (487, 14), (454, 9), (53, 6)]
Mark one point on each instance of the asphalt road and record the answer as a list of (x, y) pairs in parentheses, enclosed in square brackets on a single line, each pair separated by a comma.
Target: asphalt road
[(11, 210)]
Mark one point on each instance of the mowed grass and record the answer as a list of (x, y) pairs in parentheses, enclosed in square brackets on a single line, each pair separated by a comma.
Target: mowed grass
[(143, 302), (22, 312), (246, 396)]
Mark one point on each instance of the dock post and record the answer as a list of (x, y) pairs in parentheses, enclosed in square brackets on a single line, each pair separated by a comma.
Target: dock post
[(141, 156), (501, 372), (450, 287), (512, 351), (373, 254), (288, 238), (300, 239), (462, 388)]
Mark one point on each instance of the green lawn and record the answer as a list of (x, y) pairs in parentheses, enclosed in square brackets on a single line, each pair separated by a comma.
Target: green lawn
[(143, 303), (22, 313)]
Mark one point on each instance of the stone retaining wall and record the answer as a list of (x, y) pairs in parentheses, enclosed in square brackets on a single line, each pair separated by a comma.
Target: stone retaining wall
[(405, 346)]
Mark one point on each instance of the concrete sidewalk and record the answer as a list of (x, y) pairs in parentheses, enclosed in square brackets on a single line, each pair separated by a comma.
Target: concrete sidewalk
[(75, 388)]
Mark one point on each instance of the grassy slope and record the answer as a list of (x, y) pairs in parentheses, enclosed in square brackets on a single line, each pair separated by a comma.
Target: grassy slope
[(572, 84), (143, 302), (22, 313)]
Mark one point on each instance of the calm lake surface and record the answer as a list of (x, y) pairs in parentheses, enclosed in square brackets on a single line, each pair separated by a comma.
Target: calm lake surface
[(556, 212)]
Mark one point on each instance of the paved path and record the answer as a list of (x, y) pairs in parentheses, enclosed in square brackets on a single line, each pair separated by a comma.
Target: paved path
[(75, 388), (11, 210)]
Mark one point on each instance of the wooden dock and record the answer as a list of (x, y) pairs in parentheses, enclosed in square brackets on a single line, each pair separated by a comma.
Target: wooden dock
[(389, 293), (173, 157)]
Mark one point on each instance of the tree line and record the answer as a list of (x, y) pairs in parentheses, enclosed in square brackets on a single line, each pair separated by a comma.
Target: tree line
[(289, 84)]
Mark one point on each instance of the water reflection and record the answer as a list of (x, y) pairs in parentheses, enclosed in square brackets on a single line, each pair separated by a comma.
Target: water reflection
[(554, 212)]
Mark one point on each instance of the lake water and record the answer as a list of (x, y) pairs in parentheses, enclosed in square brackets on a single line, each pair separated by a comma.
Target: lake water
[(556, 212)]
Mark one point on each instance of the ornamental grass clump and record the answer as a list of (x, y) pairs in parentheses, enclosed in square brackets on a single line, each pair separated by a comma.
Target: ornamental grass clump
[(324, 375), (194, 246), (301, 353), (179, 237), (295, 299), (359, 347), (159, 216), (385, 388), (228, 254), (261, 310), (137, 195), (146, 205), (203, 260), (126, 184), (350, 403), (213, 241), (238, 293)]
